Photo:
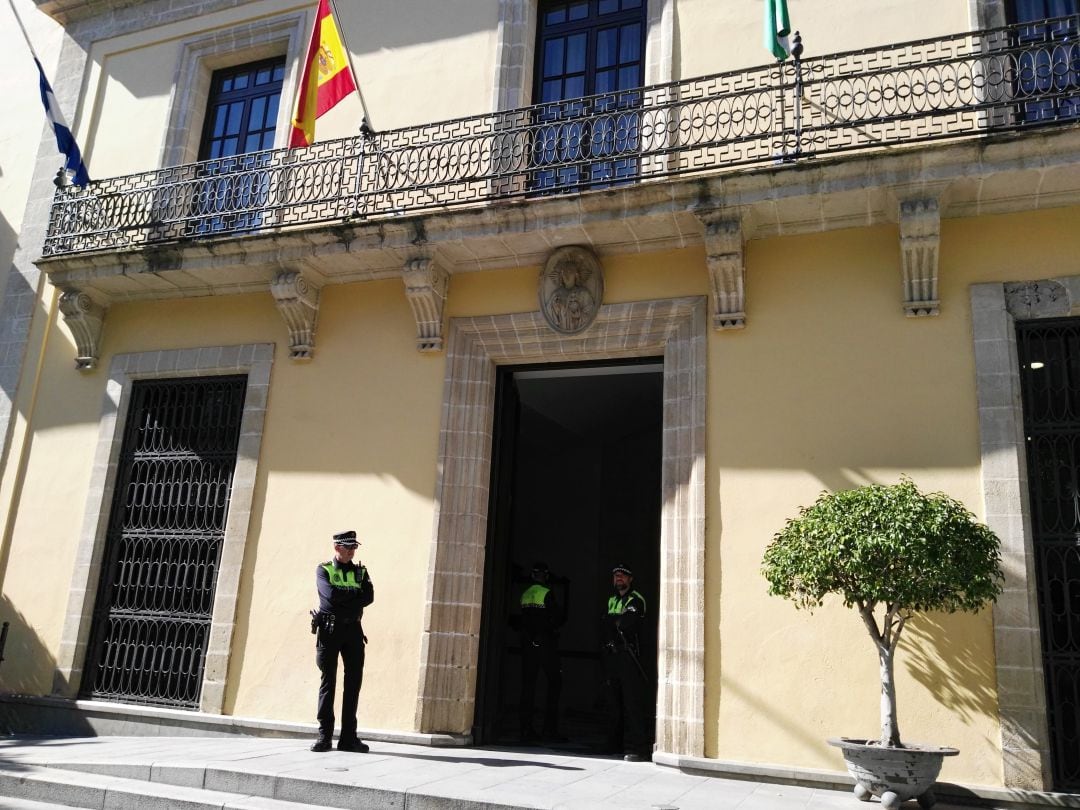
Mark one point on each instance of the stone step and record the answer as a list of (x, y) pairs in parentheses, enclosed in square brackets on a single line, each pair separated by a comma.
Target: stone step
[(8, 803), (32, 787)]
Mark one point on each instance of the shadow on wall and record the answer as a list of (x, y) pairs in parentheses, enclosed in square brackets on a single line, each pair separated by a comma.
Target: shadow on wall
[(27, 664), (940, 655), (9, 242)]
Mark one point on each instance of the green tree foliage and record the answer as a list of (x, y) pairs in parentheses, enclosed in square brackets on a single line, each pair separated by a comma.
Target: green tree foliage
[(889, 552)]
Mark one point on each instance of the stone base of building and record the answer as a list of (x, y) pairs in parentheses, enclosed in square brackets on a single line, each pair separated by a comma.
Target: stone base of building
[(975, 795), (49, 716)]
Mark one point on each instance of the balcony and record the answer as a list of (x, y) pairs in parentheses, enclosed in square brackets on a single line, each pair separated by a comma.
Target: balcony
[(960, 87), (978, 123)]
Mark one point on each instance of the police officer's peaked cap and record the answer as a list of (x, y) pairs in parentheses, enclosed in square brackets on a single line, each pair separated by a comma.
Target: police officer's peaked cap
[(622, 569), (346, 539)]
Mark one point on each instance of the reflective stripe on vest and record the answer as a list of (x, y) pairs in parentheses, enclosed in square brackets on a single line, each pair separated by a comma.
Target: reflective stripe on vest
[(340, 578), (534, 596), (616, 605)]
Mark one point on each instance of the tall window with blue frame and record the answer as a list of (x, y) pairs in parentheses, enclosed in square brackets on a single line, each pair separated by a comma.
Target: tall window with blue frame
[(1048, 59), (587, 87), (241, 117)]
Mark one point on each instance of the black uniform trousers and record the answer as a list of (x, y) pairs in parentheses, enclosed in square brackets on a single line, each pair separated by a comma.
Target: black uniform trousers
[(630, 711), (346, 641), (539, 656)]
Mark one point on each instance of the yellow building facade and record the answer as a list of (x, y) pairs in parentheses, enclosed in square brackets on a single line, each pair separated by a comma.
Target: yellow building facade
[(813, 277)]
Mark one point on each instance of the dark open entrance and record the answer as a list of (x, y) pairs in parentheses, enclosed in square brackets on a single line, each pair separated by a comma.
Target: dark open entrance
[(576, 475)]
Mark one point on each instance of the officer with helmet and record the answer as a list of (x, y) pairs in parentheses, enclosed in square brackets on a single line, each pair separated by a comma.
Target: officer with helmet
[(345, 589), (631, 691)]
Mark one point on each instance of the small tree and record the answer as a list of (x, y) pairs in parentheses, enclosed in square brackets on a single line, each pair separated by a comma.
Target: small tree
[(888, 551)]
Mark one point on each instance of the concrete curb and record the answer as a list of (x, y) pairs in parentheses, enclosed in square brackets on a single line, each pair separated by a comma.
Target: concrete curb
[(22, 715)]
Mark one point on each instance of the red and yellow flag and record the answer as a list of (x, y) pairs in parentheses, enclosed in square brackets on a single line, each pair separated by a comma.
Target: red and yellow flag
[(326, 80)]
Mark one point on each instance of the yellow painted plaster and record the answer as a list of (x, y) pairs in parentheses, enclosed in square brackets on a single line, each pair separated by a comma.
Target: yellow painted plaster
[(829, 386), (714, 37)]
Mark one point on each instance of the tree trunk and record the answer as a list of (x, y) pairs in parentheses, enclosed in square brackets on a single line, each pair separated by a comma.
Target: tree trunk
[(890, 729)]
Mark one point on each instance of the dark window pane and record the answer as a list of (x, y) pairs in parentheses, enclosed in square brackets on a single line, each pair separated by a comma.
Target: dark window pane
[(630, 44), (228, 147), (241, 82), (575, 53), (252, 143), (606, 44), (257, 118), (592, 143), (263, 76), (555, 17), (236, 113), (553, 57), (219, 121), (272, 110), (226, 86), (268, 139), (279, 73), (215, 150)]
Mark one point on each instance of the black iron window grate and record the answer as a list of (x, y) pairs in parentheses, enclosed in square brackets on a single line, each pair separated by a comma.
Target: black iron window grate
[(1049, 355), (159, 571)]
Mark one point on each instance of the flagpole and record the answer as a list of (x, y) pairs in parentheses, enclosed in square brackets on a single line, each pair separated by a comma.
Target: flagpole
[(22, 28), (365, 128)]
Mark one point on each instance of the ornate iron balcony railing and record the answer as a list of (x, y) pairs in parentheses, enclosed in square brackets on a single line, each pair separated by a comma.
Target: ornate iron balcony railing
[(960, 86)]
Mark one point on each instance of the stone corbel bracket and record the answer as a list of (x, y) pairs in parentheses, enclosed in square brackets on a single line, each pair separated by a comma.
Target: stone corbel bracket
[(920, 237), (427, 283), (298, 302), (85, 317), (727, 269)]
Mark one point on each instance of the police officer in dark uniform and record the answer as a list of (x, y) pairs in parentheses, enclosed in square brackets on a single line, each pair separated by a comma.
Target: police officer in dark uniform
[(631, 691), (541, 617), (345, 589)]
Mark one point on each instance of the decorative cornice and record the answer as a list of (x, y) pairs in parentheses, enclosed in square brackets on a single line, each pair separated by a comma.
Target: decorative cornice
[(427, 284), (298, 303), (727, 270), (86, 320), (636, 218), (920, 236)]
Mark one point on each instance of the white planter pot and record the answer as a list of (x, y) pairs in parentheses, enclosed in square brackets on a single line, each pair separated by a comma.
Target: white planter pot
[(893, 774)]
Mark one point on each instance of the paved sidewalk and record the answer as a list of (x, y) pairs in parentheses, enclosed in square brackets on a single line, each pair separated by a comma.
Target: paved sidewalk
[(391, 776)]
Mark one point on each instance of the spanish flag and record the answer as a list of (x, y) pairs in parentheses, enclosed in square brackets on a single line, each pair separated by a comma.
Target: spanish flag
[(326, 80)]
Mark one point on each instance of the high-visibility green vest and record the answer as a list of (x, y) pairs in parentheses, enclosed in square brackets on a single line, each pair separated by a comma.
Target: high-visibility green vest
[(534, 596), (340, 578), (616, 605)]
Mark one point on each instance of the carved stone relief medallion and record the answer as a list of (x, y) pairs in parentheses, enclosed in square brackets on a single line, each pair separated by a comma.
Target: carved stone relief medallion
[(1036, 299), (571, 289)]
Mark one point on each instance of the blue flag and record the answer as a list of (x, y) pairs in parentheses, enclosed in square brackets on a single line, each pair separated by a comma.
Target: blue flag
[(777, 29), (65, 141)]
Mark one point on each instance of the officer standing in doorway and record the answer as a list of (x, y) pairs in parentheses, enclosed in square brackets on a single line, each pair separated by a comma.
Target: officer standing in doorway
[(631, 691), (345, 589), (541, 617)]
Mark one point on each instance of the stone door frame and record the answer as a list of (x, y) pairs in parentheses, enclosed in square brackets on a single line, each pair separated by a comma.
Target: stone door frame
[(1022, 711), (674, 328)]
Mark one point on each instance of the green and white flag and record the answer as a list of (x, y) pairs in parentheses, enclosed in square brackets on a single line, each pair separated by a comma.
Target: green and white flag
[(777, 29)]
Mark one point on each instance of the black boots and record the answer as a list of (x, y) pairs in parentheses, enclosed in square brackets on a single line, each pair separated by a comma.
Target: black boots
[(352, 744), (344, 744)]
